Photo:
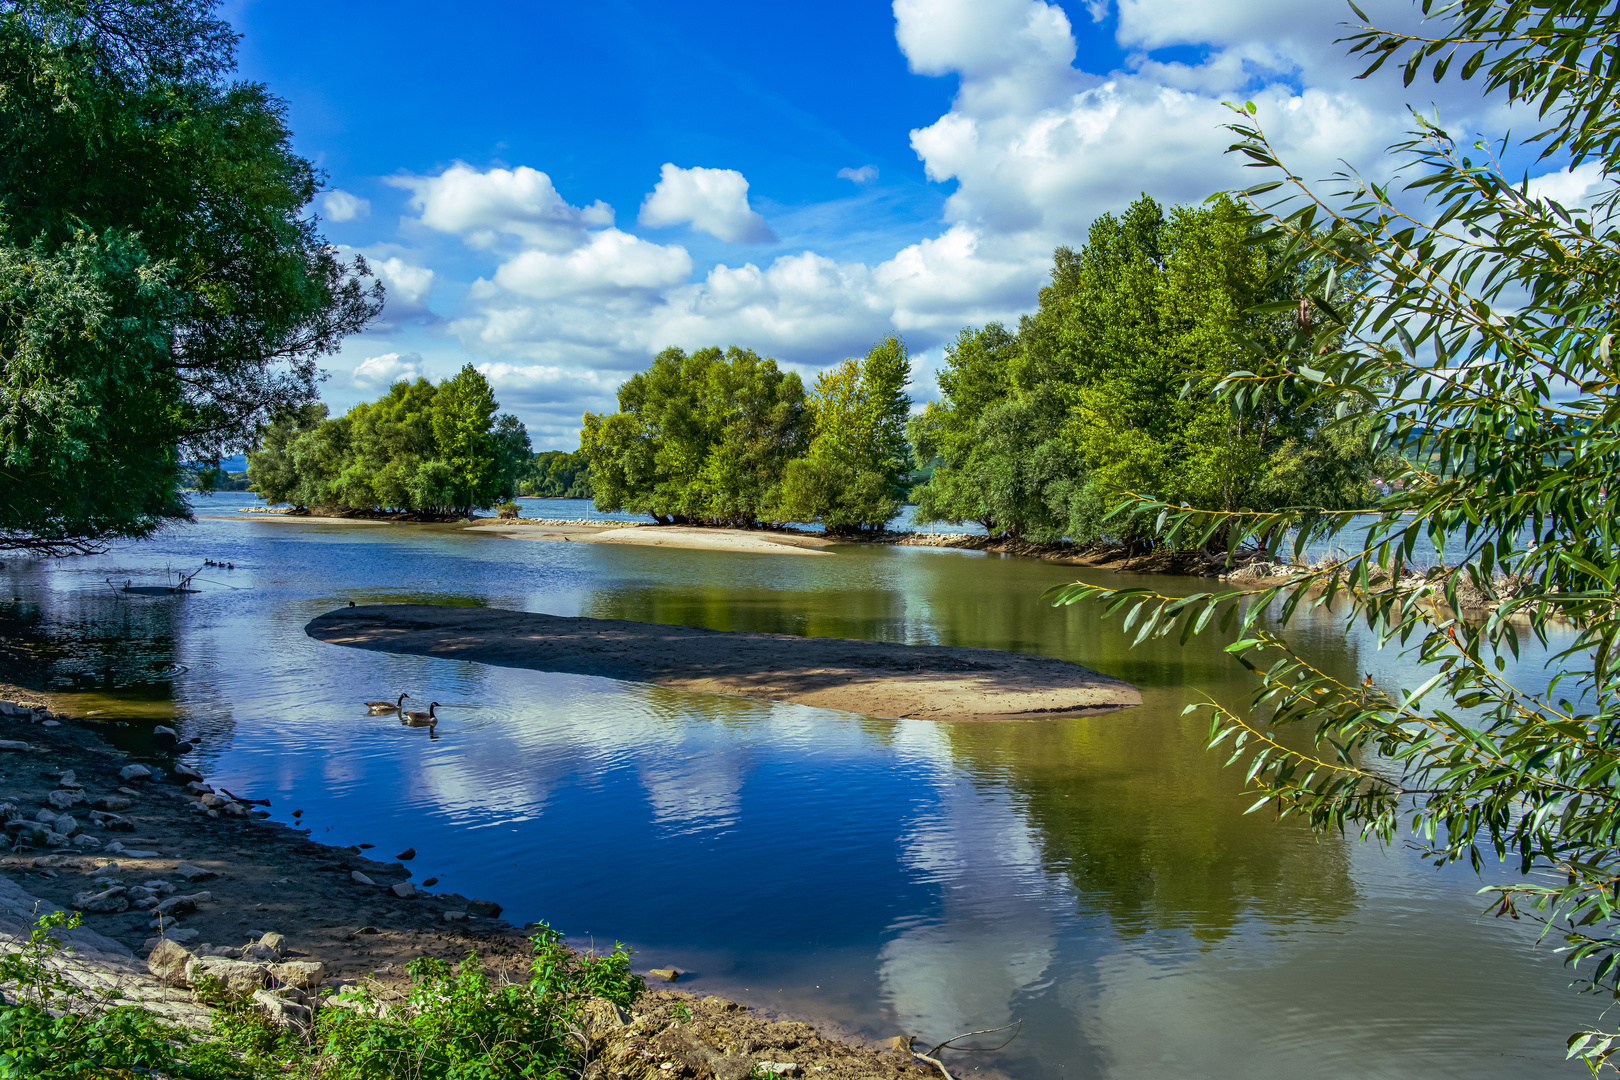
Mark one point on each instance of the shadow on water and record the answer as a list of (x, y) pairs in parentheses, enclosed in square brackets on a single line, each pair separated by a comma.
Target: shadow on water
[(1097, 877)]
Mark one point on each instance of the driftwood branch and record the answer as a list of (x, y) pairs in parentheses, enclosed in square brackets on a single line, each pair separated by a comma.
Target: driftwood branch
[(932, 1057)]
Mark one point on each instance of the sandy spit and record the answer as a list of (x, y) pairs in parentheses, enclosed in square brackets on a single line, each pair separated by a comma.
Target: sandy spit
[(868, 677), (738, 540)]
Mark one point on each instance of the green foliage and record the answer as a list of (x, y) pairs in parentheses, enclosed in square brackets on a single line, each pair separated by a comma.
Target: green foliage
[(704, 437), (163, 289), (1039, 432), (418, 448), (853, 474), (458, 1024), (1480, 338), (557, 474)]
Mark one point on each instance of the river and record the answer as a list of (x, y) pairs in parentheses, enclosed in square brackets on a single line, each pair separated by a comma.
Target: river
[(1095, 878)]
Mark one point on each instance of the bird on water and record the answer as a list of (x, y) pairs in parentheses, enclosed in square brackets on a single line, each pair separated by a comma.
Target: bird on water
[(387, 706), (419, 718)]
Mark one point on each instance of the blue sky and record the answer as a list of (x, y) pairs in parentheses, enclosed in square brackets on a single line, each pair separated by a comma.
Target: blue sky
[(555, 192)]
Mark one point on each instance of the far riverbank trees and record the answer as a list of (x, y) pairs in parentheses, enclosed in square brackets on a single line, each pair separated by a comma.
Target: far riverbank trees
[(420, 448)]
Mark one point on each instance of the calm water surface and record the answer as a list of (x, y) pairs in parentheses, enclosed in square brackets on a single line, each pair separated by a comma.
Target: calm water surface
[(1096, 878)]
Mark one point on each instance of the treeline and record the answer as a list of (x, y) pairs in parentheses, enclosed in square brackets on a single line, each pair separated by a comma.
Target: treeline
[(728, 438), (421, 448), (557, 474), (1104, 390)]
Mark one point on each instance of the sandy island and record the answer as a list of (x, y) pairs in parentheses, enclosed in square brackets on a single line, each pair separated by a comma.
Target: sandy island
[(929, 682), (706, 538)]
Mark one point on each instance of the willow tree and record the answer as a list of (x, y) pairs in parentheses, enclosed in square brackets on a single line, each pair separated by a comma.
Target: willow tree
[(1483, 340), (163, 290)]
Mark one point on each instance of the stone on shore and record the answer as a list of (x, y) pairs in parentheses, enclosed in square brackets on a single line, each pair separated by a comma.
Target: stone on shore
[(133, 773), (14, 745), (164, 738), (168, 961), (404, 890), (304, 974), (106, 902), (64, 798), (193, 873), (186, 772), (238, 976), (281, 1011), (361, 879), (489, 909), (113, 802), (667, 974), (68, 779), (407, 855)]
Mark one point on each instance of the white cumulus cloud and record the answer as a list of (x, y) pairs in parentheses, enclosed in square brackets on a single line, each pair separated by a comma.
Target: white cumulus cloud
[(714, 201), (480, 207), (610, 261), (342, 206), (378, 372)]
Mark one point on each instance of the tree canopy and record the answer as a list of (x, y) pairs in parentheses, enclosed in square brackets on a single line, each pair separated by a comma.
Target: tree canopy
[(1037, 432), (163, 290), (419, 448), (703, 437)]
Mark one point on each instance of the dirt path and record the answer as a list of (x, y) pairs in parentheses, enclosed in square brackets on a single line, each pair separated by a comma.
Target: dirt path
[(872, 678)]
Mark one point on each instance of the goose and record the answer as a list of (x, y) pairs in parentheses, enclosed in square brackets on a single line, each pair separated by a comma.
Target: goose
[(417, 719), (387, 706)]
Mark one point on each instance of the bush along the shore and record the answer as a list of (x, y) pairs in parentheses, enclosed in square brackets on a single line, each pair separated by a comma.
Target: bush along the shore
[(455, 1023), (432, 450)]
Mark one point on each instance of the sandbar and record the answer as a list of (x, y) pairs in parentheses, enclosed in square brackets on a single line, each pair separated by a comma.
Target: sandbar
[(873, 678), (676, 536)]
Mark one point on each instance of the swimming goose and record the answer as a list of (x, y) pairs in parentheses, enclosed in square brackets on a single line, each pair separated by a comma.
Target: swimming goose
[(417, 719), (387, 706)]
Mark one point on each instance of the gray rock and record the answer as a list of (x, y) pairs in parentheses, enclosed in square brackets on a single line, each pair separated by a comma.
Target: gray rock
[(56, 839), (50, 723), (113, 802), (128, 853), (111, 822), (404, 890), (361, 879), (159, 886), (135, 773), (234, 809), (193, 873), (259, 953), (8, 708), (65, 798), (46, 815), (65, 824), (304, 974), (106, 902), (239, 976), (274, 941), (186, 772), (406, 855), (213, 801), (14, 745), (454, 916), (282, 1012), (489, 909), (175, 905), (168, 962), (164, 737), (86, 842), (197, 788), (68, 779)]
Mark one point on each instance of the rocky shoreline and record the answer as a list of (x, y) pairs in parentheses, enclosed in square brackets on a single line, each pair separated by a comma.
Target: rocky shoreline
[(177, 881)]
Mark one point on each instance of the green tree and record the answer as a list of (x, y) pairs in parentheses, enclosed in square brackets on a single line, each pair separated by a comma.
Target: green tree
[(852, 476), (463, 423), (1509, 431), (163, 280), (703, 437), (513, 453)]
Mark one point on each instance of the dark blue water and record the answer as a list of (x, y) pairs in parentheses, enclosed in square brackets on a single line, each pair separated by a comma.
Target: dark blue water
[(1096, 878)]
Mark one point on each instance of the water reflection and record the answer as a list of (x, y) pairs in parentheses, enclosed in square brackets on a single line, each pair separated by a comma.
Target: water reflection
[(1096, 877)]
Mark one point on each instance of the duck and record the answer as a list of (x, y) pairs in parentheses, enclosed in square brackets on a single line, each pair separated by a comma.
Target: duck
[(387, 706), (417, 719)]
